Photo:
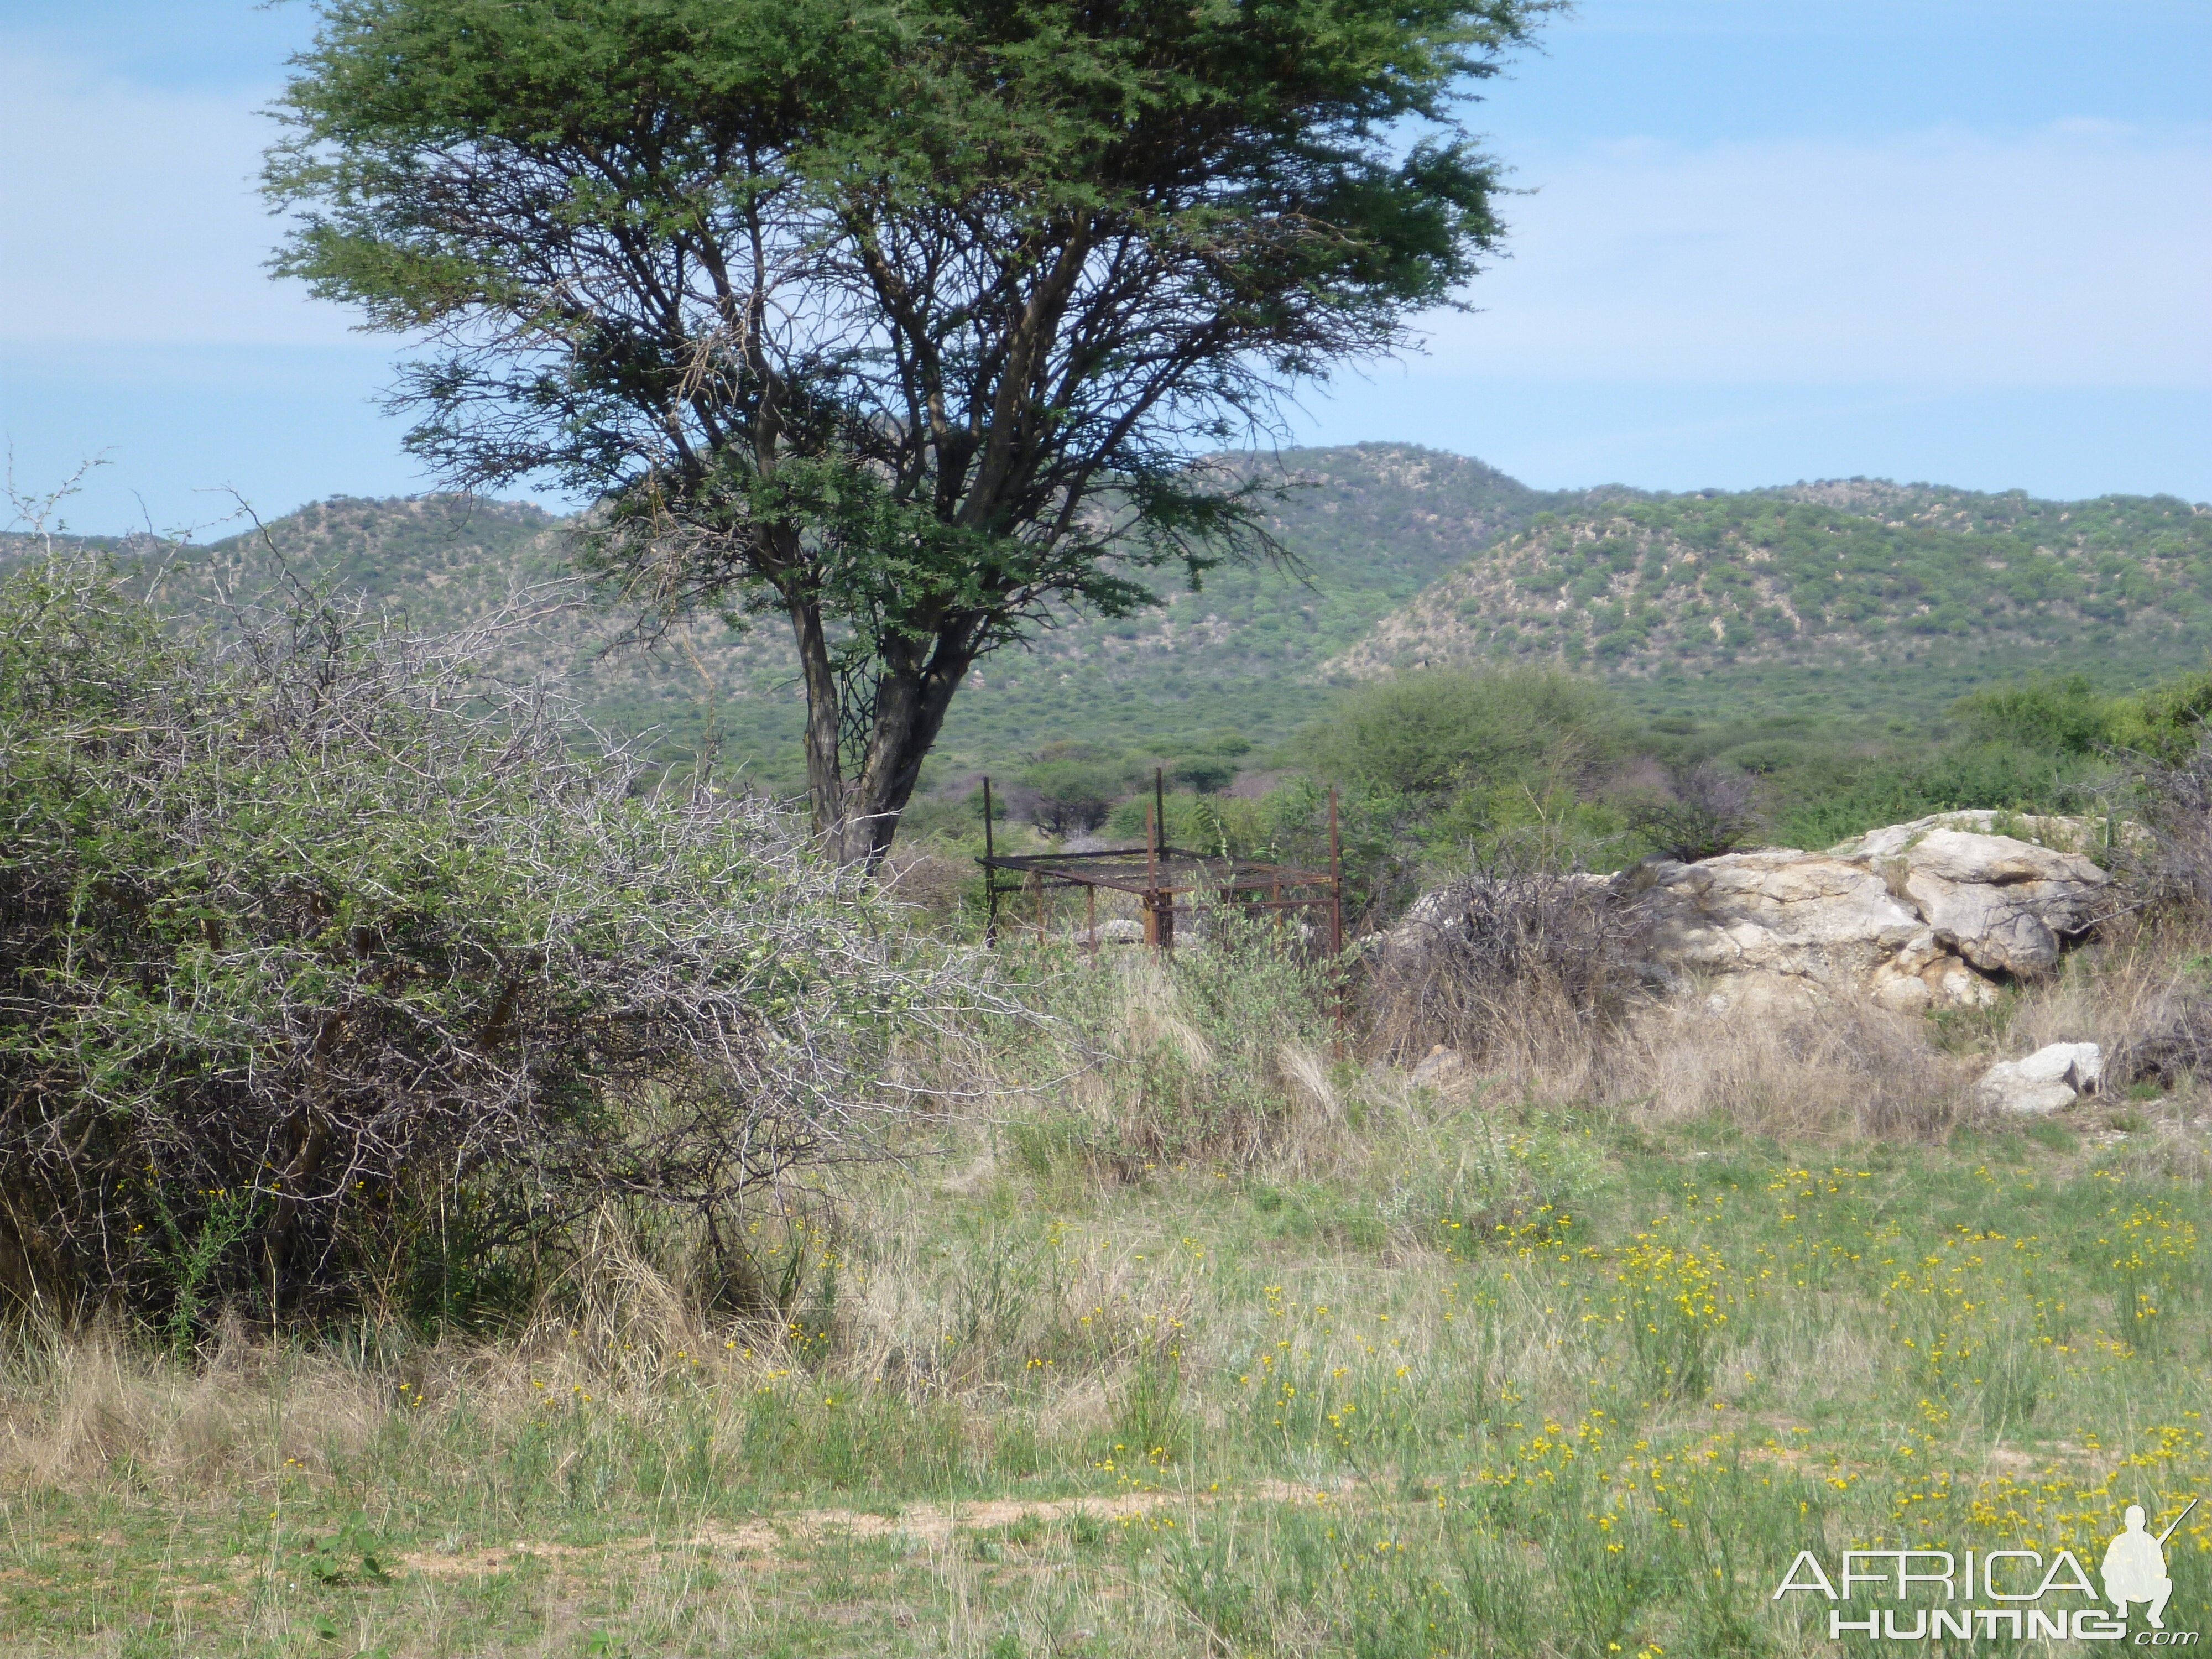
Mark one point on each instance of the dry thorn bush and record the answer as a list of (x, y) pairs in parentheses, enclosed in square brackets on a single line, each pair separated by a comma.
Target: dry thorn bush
[(1519, 964), (371, 982)]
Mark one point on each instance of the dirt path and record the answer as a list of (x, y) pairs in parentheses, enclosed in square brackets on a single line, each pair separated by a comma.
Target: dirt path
[(933, 1524)]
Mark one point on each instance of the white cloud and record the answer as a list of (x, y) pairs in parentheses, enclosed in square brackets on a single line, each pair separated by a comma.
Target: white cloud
[(2077, 255), (2080, 254), (128, 215)]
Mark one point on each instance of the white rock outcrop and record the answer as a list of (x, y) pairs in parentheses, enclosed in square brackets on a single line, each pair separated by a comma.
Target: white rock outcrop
[(1917, 915), (2048, 1080)]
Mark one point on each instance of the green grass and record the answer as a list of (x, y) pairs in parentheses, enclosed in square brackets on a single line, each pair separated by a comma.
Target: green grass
[(1368, 1411)]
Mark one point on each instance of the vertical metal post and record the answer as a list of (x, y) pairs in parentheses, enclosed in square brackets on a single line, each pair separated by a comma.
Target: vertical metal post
[(1151, 878), (1335, 882), (1038, 878), (1336, 918), (990, 872), (1163, 898), (1091, 915)]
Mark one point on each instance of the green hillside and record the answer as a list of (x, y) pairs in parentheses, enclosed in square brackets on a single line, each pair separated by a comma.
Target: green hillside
[(440, 562), (1858, 597), (1854, 602), (1367, 527)]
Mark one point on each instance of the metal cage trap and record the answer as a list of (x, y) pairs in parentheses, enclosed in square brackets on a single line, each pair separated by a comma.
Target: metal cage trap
[(1167, 883)]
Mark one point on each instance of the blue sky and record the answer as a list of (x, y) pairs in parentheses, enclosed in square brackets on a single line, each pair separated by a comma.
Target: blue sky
[(1764, 240)]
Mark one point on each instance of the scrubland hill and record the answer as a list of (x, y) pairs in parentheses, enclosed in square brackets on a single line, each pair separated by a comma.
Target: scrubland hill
[(1366, 529), (1829, 599), (1896, 595)]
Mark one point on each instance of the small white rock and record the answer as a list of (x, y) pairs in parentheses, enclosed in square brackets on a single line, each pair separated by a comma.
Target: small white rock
[(2048, 1080)]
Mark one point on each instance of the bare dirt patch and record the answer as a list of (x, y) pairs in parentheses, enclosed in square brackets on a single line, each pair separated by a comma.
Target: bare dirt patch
[(929, 1524)]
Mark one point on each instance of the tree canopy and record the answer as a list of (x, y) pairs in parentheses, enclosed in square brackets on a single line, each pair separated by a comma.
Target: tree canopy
[(903, 320)]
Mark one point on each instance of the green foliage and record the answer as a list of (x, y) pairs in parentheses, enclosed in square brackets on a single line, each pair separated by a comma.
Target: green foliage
[(1438, 768), (1073, 796), (1207, 774), (1438, 734), (348, 1556), (2165, 723), (1042, 251), (2058, 717)]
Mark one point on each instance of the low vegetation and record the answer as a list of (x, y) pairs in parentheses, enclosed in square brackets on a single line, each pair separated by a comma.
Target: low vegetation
[(335, 984), (741, 1262), (1233, 1349)]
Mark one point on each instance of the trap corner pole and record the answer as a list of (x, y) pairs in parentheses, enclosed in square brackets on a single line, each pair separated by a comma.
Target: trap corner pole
[(1152, 879), (1163, 897), (990, 872)]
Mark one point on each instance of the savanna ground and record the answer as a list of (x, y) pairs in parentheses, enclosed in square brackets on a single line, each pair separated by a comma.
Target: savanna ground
[(1200, 1341)]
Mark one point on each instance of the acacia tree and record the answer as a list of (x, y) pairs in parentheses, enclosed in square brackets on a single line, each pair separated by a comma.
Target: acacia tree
[(903, 317)]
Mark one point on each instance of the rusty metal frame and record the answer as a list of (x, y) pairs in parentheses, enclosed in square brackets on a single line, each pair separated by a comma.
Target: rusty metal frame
[(1157, 875)]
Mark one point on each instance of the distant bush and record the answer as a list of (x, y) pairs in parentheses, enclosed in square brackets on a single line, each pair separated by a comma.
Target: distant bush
[(1429, 735), (1700, 813), (2165, 724), (1851, 793), (1071, 797), (2059, 717), (329, 979), (1206, 773)]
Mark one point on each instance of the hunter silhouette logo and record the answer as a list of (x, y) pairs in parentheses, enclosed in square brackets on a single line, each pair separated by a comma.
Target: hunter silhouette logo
[(2135, 1566)]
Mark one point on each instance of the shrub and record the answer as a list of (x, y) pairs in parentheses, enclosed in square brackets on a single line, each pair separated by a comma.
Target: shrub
[(1518, 957), (2059, 717), (1703, 813), (2170, 863), (2166, 723), (1207, 774), (1431, 734), (1071, 797), (327, 976)]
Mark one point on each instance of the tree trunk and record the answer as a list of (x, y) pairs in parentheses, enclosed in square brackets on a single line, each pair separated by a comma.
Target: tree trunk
[(858, 817), (825, 784)]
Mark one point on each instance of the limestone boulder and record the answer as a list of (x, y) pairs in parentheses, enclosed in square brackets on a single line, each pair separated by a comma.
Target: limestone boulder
[(2049, 1080), (2001, 903), (1931, 913), (1776, 925), (2065, 835)]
